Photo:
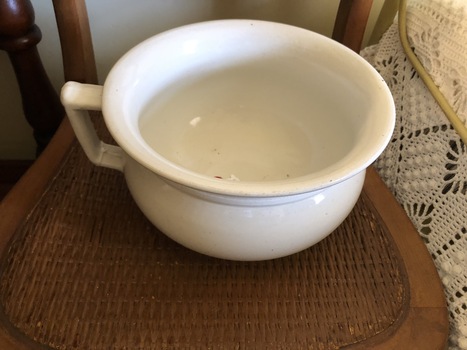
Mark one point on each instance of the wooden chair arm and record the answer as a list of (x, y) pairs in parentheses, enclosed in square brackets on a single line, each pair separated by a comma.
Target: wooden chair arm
[(19, 37)]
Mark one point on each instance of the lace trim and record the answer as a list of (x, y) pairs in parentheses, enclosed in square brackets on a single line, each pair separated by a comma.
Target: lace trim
[(438, 32), (425, 164)]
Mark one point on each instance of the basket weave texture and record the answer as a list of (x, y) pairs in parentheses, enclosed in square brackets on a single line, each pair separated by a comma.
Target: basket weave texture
[(87, 271)]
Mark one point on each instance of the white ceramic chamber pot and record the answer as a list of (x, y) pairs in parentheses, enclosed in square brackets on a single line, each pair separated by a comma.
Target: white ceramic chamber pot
[(239, 139)]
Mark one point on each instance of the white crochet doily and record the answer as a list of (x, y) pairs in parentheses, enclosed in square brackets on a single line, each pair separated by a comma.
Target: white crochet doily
[(425, 164)]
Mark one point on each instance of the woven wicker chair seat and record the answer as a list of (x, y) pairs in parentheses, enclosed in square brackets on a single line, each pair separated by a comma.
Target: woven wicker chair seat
[(86, 270)]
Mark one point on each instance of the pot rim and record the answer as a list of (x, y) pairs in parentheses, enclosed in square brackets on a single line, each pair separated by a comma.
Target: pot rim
[(352, 164)]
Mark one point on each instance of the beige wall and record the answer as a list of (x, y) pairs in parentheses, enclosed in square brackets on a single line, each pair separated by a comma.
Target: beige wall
[(117, 25)]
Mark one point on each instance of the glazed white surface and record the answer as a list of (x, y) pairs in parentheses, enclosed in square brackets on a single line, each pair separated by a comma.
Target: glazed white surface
[(240, 139)]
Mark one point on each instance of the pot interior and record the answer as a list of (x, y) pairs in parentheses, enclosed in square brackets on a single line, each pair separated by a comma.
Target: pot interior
[(253, 101), (265, 120)]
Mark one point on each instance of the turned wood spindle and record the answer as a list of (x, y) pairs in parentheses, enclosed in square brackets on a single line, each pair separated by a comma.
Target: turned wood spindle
[(19, 36)]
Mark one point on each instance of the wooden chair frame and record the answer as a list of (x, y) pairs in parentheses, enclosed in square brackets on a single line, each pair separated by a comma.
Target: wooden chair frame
[(424, 326)]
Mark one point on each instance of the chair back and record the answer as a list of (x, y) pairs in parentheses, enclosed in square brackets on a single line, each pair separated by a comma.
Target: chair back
[(77, 48), (42, 108)]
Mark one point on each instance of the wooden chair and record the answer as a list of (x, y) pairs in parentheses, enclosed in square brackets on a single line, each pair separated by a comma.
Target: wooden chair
[(81, 268)]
